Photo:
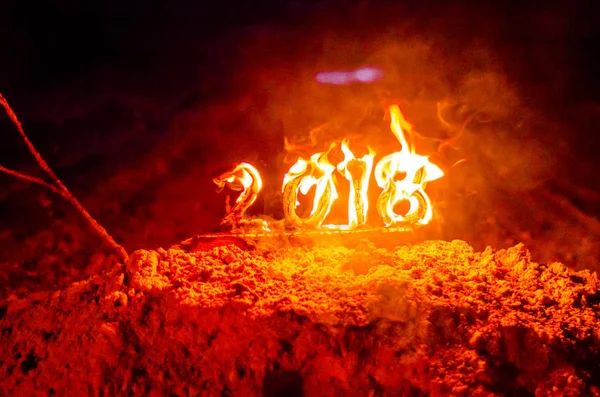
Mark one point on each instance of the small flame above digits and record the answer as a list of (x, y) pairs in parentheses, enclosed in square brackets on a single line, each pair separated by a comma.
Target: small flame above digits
[(417, 171), (402, 177), (367, 74)]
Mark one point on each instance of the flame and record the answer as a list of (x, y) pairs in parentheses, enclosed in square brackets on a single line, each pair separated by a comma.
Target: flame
[(402, 176), (302, 176), (415, 171), (358, 200), (243, 177)]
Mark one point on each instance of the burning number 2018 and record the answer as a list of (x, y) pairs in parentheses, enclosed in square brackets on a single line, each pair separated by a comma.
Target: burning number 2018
[(402, 176)]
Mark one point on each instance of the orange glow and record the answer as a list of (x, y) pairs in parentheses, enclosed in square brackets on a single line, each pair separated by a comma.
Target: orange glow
[(402, 176), (243, 177)]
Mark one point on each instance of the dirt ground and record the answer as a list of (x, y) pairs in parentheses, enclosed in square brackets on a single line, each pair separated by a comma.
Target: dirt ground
[(432, 318)]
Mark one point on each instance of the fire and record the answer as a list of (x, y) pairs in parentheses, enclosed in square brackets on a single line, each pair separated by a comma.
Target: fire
[(302, 176), (245, 178), (402, 176), (358, 200)]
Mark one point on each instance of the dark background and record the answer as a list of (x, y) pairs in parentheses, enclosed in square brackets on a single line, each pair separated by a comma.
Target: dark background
[(138, 105)]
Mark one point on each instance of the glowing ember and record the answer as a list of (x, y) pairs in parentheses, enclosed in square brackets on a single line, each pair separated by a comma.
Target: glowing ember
[(402, 176)]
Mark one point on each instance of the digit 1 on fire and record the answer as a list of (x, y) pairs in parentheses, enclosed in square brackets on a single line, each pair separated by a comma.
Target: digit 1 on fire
[(358, 174)]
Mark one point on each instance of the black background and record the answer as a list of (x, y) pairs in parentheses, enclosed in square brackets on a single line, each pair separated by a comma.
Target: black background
[(138, 104)]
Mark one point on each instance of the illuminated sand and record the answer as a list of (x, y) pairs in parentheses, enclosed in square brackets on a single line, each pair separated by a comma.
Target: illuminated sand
[(434, 318)]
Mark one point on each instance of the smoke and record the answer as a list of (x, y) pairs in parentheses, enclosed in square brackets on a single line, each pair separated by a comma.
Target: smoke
[(488, 88), (474, 111)]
